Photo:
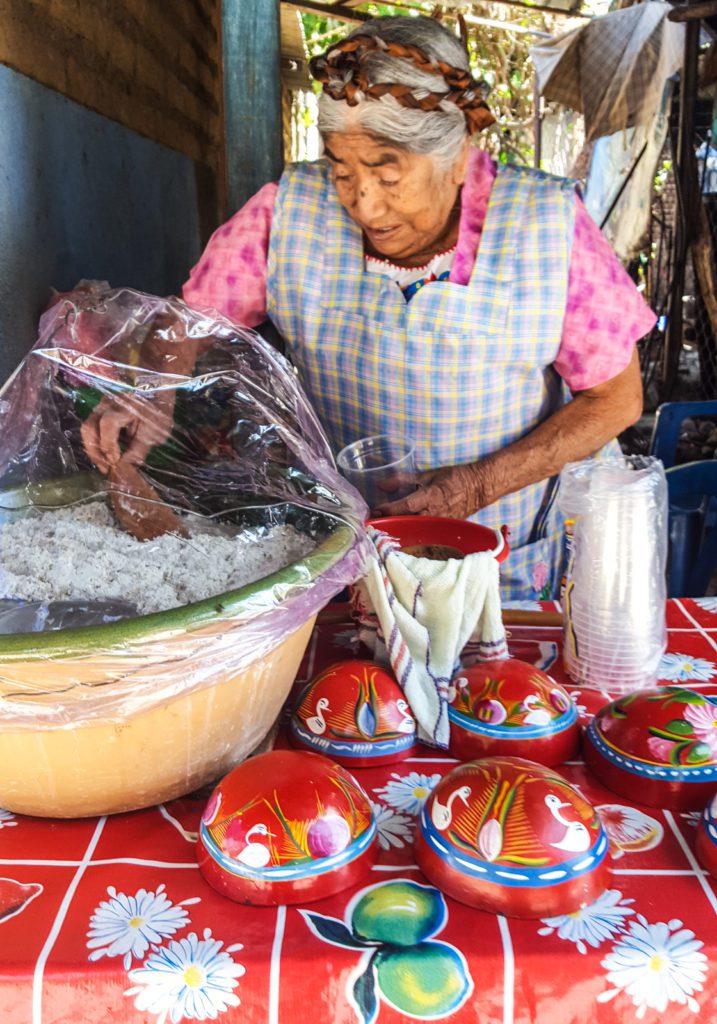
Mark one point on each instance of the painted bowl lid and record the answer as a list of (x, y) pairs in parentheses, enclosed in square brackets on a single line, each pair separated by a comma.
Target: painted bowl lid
[(285, 819), (667, 734), (356, 713), (503, 832), (509, 700)]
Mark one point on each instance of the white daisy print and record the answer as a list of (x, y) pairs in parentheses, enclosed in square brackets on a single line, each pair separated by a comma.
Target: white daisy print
[(408, 793), (707, 604), (191, 977), (7, 819), (591, 925), (126, 926), (678, 668), (394, 829), (656, 964)]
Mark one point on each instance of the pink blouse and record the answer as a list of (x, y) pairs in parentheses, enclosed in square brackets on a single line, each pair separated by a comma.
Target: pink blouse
[(605, 314)]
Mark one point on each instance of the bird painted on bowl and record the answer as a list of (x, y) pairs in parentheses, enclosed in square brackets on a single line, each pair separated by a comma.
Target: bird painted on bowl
[(355, 713), (511, 836), (286, 827), (510, 707)]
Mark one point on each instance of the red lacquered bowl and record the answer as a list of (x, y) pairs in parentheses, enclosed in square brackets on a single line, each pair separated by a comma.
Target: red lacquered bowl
[(355, 713), (467, 537), (706, 842), (513, 708), (656, 747), (286, 827), (512, 837)]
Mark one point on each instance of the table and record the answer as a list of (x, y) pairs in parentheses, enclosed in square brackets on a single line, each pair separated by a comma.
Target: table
[(109, 920)]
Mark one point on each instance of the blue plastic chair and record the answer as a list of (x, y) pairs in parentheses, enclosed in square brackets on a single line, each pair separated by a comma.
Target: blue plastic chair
[(692, 498), (668, 420)]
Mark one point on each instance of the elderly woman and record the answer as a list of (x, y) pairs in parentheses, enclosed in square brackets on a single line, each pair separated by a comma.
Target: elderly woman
[(424, 292)]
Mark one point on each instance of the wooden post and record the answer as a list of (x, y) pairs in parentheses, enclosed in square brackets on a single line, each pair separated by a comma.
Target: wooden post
[(537, 122), (251, 51), (688, 208)]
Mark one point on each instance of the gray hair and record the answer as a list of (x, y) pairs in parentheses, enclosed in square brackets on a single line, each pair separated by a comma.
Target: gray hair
[(440, 133)]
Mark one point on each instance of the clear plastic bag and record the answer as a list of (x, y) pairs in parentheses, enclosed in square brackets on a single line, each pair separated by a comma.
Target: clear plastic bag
[(179, 435), (615, 594)]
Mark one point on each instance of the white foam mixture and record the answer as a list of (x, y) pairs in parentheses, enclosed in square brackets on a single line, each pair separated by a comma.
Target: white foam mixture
[(80, 553)]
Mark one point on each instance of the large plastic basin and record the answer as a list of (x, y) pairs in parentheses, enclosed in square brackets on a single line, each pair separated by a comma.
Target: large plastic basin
[(117, 717)]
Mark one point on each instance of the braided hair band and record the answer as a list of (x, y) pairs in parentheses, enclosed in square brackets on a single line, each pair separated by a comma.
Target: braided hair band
[(344, 77)]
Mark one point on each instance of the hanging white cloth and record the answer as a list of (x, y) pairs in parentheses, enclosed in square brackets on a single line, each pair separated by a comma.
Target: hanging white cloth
[(418, 614)]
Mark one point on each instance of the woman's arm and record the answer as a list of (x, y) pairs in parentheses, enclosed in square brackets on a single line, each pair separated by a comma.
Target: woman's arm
[(577, 430)]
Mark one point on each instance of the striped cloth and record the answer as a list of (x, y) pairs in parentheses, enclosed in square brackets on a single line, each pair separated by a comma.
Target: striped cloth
[(419, 613), (461, 371)]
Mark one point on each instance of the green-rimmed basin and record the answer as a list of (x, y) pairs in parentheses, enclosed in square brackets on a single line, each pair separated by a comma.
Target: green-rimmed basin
[(124, 715)]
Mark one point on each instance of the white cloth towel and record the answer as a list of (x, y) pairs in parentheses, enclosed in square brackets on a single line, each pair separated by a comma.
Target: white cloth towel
[(427, 610)]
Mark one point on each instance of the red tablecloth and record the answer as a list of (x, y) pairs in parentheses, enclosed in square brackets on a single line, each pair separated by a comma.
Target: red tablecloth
[(109, 920)]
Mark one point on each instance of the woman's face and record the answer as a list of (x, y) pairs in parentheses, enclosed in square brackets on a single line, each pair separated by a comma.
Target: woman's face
[(402, 201)]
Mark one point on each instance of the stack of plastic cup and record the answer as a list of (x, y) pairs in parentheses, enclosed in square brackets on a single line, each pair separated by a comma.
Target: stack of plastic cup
[(614, 601)]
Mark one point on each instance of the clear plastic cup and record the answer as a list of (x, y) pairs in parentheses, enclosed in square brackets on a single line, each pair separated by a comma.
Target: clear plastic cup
[(381, 468)]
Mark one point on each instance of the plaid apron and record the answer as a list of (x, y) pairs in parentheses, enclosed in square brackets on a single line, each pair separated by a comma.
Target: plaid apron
[(462, 371)]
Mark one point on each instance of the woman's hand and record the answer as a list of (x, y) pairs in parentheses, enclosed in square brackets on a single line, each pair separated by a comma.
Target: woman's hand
[(577, 430), (137, 423), (455, 491)]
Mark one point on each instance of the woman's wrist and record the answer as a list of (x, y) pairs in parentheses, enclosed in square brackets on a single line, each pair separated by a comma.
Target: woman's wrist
[(485, 480)]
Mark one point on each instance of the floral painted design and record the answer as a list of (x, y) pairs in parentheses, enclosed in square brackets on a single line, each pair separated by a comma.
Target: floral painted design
[(7, 819), (689, 738), (394, 829), (541, 580), (591, 925), (629, 830), (703, 718), (392, 925), (191, 977), (127, 926), (655, 965), (679, 668), (408, 793), (707, 604)]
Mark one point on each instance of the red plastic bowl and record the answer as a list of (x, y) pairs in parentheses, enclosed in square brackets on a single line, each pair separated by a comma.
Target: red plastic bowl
[(513, 708), (286, 827), (355, 713), (468, 537), (512, 837)]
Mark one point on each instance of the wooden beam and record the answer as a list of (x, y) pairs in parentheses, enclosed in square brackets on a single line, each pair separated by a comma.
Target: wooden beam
[(693, 11), (339, 12), (251, 47)]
